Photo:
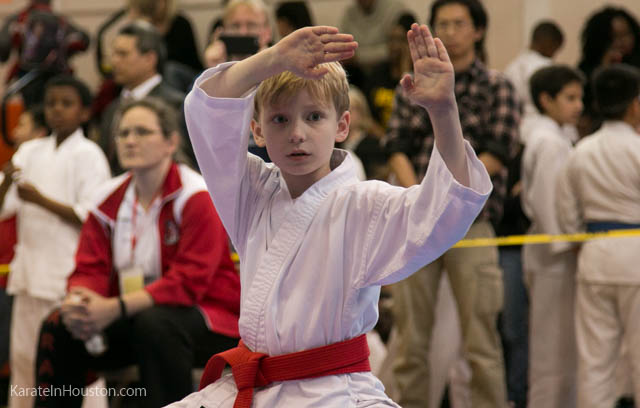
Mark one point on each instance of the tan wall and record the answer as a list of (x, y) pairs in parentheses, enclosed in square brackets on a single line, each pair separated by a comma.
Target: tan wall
[(509, 23)]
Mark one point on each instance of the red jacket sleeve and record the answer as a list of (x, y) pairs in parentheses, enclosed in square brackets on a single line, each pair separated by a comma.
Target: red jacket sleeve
[(202, 249), (93, 259)]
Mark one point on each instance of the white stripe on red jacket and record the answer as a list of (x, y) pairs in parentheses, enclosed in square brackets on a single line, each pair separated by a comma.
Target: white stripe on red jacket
[(196, 268)]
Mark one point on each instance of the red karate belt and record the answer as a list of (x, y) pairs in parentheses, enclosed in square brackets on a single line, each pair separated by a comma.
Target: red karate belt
[(252, 370)]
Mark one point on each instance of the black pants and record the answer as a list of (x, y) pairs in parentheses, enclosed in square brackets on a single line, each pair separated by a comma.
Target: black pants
[(165, 342)]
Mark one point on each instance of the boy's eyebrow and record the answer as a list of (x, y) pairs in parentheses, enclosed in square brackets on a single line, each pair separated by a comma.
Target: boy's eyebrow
[(275, 107)]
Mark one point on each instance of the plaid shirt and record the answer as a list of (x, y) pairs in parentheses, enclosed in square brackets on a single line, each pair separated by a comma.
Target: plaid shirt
[(489, 114)]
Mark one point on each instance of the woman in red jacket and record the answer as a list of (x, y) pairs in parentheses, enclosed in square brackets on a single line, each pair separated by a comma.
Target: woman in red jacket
[(154, 284)]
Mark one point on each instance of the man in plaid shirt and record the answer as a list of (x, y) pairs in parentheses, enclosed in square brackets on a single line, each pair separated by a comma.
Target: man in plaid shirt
[(489, 114)]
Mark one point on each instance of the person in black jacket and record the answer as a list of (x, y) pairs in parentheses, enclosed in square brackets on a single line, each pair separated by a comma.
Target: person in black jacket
[(138, 58)]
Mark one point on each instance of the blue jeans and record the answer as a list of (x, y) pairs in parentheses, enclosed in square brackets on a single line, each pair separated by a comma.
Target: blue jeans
[(514, 325)]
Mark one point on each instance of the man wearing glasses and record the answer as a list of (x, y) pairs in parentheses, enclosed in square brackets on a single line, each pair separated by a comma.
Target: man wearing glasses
[(489, 114)]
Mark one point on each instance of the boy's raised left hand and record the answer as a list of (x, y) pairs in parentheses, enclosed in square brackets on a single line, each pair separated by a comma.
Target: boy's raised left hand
[(433, 77), (303, 50)]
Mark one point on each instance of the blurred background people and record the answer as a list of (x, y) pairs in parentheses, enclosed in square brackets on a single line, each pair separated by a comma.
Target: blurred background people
[(610, 35), (53, 180), (138, 60), (292, 15), (240, 18), (546, 39), (385, 76), (43, 41)]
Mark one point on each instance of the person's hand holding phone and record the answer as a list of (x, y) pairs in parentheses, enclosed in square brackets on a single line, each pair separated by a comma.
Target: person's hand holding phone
[(224, 47), (215, 53)]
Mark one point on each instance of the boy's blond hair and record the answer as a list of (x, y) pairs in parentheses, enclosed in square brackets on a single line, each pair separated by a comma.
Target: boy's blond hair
[(331, 88)]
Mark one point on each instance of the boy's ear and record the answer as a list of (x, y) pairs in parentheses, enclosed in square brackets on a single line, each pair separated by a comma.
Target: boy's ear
[(151, 58), (258, 137), (343, 126), (85, 114), (633, 112), (545, 99)]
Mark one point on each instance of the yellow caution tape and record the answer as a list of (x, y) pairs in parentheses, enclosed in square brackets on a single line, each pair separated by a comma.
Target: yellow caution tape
[(545, 238), (503, 241)]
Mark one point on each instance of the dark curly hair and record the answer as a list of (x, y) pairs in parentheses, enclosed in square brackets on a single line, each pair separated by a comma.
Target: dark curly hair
[(597, 37)]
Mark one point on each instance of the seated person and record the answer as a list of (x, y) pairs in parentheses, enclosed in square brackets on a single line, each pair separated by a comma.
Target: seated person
[(153, 276)]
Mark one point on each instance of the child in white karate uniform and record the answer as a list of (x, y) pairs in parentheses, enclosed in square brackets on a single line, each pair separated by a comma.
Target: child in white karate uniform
[(598, 191), (550, 268), (315, 243)]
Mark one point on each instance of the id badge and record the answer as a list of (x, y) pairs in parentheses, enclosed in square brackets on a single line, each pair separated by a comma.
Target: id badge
[(131, 279)]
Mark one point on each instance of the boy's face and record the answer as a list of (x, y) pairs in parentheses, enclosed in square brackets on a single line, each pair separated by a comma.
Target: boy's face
[(566, 107), (63, 109), (26, 129), (140, 142), (454, 26), (300, 134)]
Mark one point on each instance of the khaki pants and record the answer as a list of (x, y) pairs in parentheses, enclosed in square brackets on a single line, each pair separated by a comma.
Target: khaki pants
[(605, 316), (476, 282), (552, 342), (26, 319)]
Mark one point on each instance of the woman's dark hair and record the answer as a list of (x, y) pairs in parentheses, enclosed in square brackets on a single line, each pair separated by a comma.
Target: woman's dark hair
[(597, 37), (296, 13), (478, 15), (167, 115)]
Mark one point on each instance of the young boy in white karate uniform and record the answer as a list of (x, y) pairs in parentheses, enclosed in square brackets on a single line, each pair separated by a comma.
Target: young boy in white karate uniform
[(598, 190), (550, 268), (316, 244)]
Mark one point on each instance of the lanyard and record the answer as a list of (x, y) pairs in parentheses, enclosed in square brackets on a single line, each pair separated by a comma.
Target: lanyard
[(134, 239), (134, 216)]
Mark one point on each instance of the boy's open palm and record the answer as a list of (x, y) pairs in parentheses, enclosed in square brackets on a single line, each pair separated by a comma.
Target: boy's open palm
[(433, 75), (303, 50)]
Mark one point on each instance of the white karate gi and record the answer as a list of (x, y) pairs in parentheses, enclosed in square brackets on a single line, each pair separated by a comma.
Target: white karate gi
[(601, 183), (549, 271), (519, 72), (312, 266)]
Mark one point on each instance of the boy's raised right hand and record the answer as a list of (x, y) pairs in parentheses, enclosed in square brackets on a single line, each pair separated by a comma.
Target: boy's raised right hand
[(300, 52), (303, 50)]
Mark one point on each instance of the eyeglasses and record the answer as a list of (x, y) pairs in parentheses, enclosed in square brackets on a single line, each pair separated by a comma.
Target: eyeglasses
[(442, 26), (140, 132)]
